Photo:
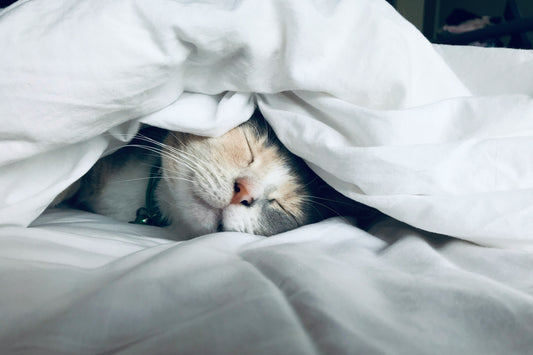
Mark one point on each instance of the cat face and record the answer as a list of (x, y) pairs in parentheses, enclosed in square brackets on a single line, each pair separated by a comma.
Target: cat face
[(243, 181)]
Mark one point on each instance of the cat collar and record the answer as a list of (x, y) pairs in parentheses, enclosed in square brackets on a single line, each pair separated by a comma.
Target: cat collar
[(150, 214)]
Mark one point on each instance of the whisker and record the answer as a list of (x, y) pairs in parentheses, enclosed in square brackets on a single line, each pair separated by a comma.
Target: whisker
[(154, 177), (194, 163), (311, 203), (189, 163)]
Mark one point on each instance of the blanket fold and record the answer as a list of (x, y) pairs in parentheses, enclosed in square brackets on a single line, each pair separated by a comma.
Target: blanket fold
[(438, 137), (385, 117)]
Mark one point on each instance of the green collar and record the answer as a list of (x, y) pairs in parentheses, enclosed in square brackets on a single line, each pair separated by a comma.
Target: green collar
[(150, 214)]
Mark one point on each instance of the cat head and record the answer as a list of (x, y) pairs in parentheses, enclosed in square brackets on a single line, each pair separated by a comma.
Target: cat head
[(244, 180)]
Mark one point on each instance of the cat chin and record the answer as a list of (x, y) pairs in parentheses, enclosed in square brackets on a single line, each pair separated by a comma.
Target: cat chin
[(195, 220), (192, 214), (199, 218), (239, 218)]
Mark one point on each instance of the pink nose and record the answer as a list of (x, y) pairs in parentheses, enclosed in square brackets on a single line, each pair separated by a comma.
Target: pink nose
[(241, 195)]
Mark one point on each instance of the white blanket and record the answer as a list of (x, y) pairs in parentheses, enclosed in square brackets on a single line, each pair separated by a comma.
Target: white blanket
[(438, 137)]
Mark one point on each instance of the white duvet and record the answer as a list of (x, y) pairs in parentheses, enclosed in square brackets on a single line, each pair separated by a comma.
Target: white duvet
[(439, 138)]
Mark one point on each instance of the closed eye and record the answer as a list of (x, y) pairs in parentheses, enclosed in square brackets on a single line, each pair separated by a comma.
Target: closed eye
[(250, 148), (276, 202)]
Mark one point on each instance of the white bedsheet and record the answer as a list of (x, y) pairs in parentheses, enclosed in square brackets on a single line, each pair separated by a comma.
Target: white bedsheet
[(438, 137), (82, 284)]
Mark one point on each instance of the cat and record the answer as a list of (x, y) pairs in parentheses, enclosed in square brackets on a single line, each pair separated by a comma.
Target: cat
[(243, 181)]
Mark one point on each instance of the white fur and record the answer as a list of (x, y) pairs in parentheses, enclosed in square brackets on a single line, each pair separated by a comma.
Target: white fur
[(240, 218), (198, 183), (276, 176), (188, 216), (124, 192), (197, 207)]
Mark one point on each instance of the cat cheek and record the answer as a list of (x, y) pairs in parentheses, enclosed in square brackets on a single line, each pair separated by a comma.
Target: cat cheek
[(200, 220)]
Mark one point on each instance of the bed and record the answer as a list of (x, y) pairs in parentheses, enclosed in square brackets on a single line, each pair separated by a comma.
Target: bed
[(438, 138)]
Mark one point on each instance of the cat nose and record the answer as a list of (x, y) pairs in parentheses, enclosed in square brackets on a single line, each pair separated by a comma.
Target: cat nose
[(241, 194)]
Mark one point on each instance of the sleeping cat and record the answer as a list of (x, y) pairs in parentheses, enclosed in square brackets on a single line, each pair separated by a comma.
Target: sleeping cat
[(244, 180)]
